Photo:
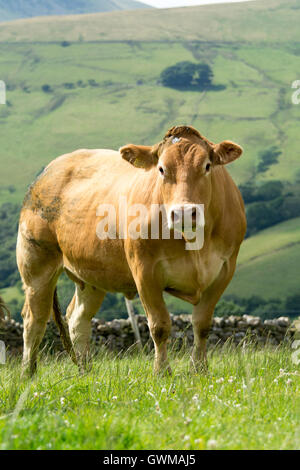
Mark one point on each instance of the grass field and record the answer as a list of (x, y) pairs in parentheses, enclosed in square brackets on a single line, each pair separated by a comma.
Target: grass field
[(250, 400)]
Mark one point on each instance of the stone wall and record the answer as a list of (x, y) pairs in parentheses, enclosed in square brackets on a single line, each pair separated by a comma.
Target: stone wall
[(117, 335)]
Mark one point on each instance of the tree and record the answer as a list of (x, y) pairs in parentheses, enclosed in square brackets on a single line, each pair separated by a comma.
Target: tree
[(186, 75), (265, 192), (267, 158), (292, 305), (203, 76), (47, 88)]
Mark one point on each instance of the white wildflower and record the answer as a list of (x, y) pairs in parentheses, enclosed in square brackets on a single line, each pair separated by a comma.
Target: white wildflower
[(212, 443)]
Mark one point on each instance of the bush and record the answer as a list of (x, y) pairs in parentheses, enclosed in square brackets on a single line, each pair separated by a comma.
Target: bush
[(261, 215), (69, 86), (257, 306), (292, 305)]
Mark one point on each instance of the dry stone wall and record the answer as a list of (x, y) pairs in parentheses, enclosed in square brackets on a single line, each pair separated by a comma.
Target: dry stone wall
[(117, 335)]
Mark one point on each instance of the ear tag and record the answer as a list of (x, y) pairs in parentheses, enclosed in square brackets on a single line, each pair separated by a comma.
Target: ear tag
[(175, 140), (138, 163)]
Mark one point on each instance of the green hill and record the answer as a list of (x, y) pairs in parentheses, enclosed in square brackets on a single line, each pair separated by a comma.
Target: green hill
[(13, 9), (93, 81), (270, 21), (269, 261)]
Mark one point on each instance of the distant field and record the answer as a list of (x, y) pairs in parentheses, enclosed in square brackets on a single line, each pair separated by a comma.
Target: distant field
[(124, 103), (248, 401)]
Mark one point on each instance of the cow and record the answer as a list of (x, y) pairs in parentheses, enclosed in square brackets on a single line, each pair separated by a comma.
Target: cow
[(58, 230)]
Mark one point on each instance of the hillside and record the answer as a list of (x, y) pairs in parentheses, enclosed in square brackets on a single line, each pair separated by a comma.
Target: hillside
[(13, 9), (270, 21), (269, 262), (72, 82)]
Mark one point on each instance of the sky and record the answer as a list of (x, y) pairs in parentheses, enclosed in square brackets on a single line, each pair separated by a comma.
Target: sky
[(185, 3)]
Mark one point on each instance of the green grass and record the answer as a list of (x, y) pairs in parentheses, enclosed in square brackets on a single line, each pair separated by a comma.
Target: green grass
[(250, 400)]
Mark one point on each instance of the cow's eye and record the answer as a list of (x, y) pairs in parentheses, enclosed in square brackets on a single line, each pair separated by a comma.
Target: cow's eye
[(208, 166), (161, 170)]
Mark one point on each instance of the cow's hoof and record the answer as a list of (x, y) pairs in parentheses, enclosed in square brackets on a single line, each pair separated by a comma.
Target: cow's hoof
[(28, 372), (85, 367), (199, 367), (163, 371)]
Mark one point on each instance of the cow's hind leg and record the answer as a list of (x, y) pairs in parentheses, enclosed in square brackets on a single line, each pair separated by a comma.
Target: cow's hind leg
[(36, 312), (39, 268), (83, 307)]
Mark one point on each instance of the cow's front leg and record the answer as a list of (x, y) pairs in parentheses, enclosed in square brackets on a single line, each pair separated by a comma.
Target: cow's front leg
[(159, 322), (203, 312), (201, 318)]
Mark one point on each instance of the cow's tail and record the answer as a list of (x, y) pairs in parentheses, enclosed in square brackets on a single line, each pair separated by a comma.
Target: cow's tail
[(4, 312), (63, 328)]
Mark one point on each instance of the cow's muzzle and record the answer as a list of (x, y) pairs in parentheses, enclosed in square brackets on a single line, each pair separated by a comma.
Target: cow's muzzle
[(186, 217)]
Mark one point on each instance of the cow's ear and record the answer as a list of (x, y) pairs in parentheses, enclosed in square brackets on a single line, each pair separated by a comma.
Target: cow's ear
[(226, 152), (140, 156)]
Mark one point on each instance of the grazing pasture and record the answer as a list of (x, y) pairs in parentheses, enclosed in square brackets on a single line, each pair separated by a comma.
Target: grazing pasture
[(249, 400)]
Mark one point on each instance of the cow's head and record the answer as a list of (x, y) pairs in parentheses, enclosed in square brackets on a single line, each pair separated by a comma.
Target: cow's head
[(183, 164)]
